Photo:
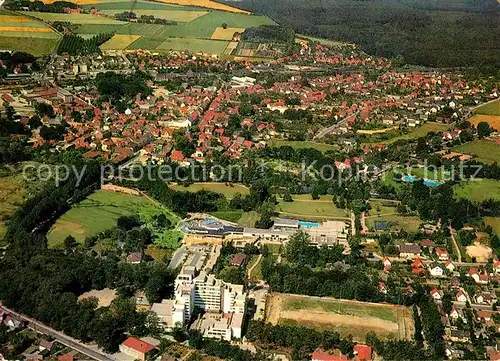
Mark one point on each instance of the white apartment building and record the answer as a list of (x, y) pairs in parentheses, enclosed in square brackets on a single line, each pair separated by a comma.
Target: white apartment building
[(205, 292)]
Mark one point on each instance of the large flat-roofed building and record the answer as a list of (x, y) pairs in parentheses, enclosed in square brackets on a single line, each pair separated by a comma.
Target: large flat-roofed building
[(222, 326), (286, 224)]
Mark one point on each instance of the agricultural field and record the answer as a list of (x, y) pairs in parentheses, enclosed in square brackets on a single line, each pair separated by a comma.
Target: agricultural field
[(119, 42), (492, 120), (207, 4), (478, 190), (483, 150), (311, 209), (22, 33), (194, 45), (193, 31), (73, 18), (395, 222), (14, 191), (343, 316), (99, 212), (229, 190), (225, 34)]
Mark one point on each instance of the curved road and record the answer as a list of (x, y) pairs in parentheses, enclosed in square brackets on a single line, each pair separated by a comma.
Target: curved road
[(61, 337)]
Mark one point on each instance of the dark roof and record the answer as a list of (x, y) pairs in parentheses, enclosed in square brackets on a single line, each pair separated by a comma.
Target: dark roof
[(237, 259), (410, 248)]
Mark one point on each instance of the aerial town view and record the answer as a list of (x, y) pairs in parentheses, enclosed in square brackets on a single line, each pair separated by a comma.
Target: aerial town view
[(249, 180)]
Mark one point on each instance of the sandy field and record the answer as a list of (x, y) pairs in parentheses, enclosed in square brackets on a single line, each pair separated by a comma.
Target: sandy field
[(354, 318), (492, 120), (481, 252), (105, 296)]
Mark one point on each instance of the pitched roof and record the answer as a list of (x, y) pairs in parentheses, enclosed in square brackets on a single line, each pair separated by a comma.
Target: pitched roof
[(364, 352), (138, 345)]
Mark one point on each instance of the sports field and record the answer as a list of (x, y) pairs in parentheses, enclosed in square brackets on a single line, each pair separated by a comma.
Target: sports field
[(22, 33), (305, 207), (484, 151), (343, 316), (99, 212), (229, 190), (478, 190)]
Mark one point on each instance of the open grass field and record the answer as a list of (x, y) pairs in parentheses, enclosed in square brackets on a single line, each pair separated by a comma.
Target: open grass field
[(492, 108), (381, 208), (321, 40), (478, 190), (248, 219), (229, 190), (194, 45), (225, 34), (22, 33), (421, 131), (343, 316), (14, 191), (494, 222), (99, 212), (397, 222), (231, 216), (322, 147), (483, 150), (119, 42), (311, 209)]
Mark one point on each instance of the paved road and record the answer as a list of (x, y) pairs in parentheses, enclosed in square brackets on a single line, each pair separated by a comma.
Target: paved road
[(61, 337), (331, 128)]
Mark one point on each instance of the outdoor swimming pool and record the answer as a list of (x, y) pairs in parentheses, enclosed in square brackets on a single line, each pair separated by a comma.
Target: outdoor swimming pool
[(427, 182), (308, 224)]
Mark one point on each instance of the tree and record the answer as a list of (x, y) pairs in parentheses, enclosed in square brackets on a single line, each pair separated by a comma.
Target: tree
[(287, 197), (224, 26), (483, 130), (70, 242)]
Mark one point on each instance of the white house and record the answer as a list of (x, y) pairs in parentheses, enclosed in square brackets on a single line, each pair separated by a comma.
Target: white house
[(450, 266), (437, 294), (454, 313), (436, 271), (461, 296), (443, 255)]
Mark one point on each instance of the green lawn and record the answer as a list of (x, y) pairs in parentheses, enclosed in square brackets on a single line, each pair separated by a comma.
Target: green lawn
[(172, 15), (231, 216), (322, 147), (256, 273), (343, 308), (274, 248), (410, 223), (478, 190), (494, 222), (248, 219), (379, 209), (100, 211), (484, 151), (490, 109), (311, 209), (419, 132), (229, 190)]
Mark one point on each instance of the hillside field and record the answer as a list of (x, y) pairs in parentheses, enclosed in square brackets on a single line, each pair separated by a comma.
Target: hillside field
[(484, 151), (229, 190), (478, 190), (99, 212), (342, 316)]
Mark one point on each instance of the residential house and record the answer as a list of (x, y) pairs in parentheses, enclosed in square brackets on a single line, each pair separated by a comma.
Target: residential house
[(134, 258), (478, 276), (496, 266), (323, 356), (409, 250), (137, 348), (443, 255), (454, 313), (363, 352), (461, 296), (387, 264), (436, 270), (437, 294), (483, 298), (449, 265)]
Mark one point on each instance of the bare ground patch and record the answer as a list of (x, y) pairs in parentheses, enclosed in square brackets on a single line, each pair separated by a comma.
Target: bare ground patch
[(480, 251), (105, 296)]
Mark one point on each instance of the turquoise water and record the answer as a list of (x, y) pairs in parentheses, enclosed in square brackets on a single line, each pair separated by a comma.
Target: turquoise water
[(308, 224), (427, 182)]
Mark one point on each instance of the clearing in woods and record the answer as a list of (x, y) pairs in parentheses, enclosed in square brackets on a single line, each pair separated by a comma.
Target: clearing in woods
[(344, 316)]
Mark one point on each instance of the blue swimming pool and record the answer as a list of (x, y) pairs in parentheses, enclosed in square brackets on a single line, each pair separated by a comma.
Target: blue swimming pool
[(308, 224), (427, 182)]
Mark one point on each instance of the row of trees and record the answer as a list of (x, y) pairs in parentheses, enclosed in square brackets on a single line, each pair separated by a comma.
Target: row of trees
[(76, 45)]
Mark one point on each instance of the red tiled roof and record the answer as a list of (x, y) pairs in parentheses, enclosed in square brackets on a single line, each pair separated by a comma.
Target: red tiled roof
[(66, 357), (138, 345), (364, 352), (322, 356)]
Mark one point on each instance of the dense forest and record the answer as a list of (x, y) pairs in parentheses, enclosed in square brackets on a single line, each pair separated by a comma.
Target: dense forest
[(427, 32)]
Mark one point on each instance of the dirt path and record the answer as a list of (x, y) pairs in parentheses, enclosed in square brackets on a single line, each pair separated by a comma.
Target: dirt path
[(250, 270), (455, 245), (273, 308)]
